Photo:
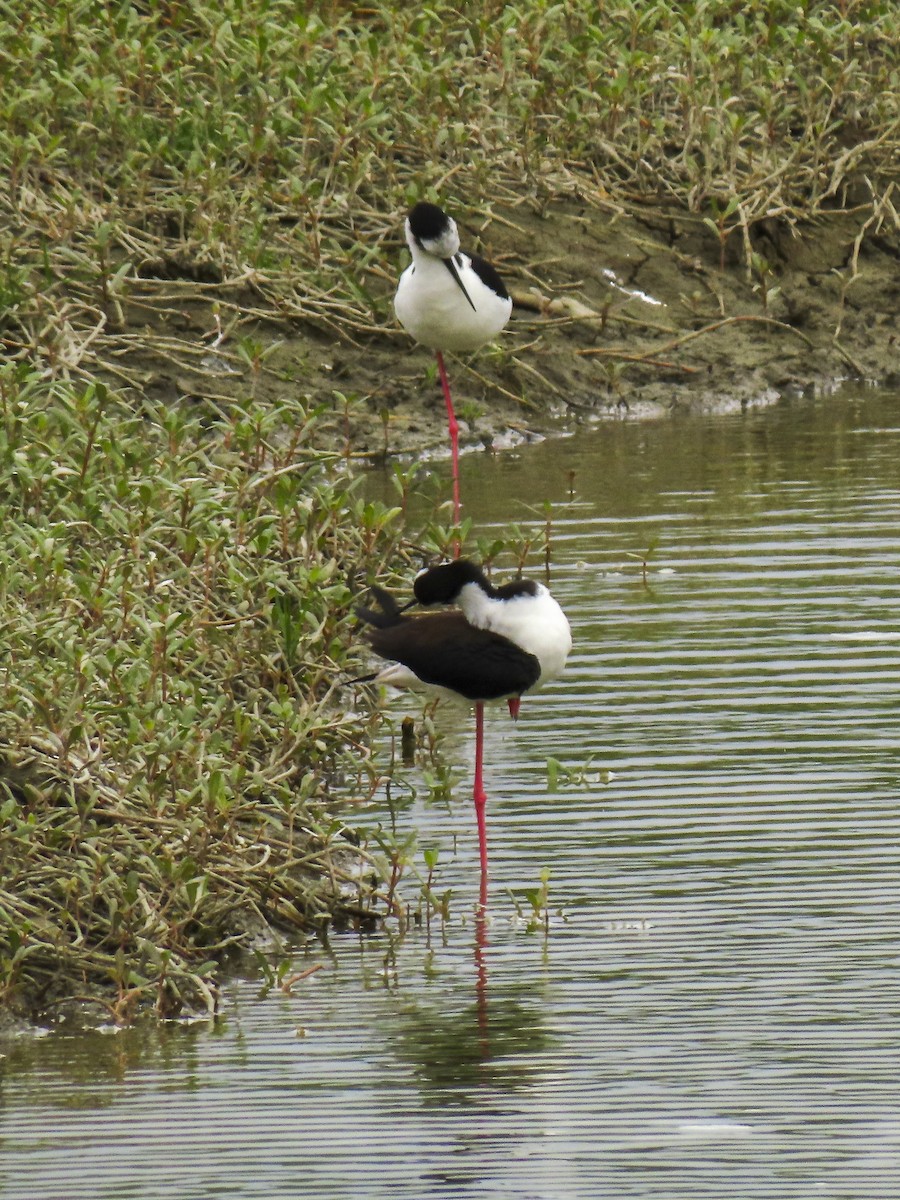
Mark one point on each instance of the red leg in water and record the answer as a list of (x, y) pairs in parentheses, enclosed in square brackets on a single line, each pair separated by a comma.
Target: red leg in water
[(478, 795), (453, 426), (481, 992)]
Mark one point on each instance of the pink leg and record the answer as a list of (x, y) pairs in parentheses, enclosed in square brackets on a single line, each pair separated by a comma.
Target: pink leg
[(478, 795), (453, 426), (481, 971)]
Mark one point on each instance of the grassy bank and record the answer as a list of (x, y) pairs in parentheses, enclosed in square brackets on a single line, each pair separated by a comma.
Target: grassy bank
[(274, 146), (175, 591), (188, 183)]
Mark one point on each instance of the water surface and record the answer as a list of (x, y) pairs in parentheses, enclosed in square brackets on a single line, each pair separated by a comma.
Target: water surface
[(714, 1008)]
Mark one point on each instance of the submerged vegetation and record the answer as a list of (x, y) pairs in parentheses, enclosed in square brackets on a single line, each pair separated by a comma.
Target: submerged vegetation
[(176, 578)]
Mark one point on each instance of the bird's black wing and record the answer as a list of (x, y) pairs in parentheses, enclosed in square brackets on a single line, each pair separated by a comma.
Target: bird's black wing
[(487, 273), (444, 650)]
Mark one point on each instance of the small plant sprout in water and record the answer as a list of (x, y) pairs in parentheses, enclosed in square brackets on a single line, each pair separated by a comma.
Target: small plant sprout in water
[(560, 777), (436, 904), (445, 540), (346, 403), (521, 542), (538, 899), (440, 783), (402, 479), (280, 974), (541, 537), (273, 971), (486, 551), (548, 539), (398, 855), (644, 556)]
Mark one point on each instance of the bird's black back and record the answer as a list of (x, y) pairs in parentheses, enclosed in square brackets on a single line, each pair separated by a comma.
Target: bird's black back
[(444, 650), (488, 276)]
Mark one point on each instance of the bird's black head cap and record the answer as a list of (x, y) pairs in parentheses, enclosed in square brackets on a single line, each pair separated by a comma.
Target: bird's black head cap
[(427, 222), (442, 584)]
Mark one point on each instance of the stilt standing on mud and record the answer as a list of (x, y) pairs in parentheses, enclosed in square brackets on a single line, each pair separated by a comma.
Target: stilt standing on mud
[(448, 300), (499, 644)]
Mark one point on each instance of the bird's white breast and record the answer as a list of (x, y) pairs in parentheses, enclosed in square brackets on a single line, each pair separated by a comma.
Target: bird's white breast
[(535, 623), (431, 306)]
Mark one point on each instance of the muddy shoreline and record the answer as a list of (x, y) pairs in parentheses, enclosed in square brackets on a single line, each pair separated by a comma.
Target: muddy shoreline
[(616, 316)]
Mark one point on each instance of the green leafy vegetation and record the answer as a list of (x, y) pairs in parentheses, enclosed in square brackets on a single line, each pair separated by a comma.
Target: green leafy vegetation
[(174, 594), (274, 145)]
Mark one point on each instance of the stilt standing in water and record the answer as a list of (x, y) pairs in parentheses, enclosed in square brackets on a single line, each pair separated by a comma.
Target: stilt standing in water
[(497, 645), (448, 300)]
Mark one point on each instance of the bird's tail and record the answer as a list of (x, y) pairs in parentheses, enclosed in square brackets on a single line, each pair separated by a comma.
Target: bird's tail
[(359, 679), (390, 614)]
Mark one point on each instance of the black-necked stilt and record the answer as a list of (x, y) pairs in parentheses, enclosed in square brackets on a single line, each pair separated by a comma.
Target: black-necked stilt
[(500, 644), (448, 300)]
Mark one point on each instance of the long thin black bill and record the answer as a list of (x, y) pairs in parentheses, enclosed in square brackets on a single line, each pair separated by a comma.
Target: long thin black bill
[(451, 267)]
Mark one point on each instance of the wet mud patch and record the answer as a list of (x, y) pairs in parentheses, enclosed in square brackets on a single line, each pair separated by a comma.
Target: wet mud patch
[(616, 315)]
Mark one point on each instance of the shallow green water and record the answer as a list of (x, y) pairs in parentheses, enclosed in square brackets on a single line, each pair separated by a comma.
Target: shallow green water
[(714, 1011)]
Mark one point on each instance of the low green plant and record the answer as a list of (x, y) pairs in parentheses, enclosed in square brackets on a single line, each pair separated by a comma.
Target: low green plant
[(176, 590), (434, 903), (561, 775), (538, 900), (260, 153), (643, 557)]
